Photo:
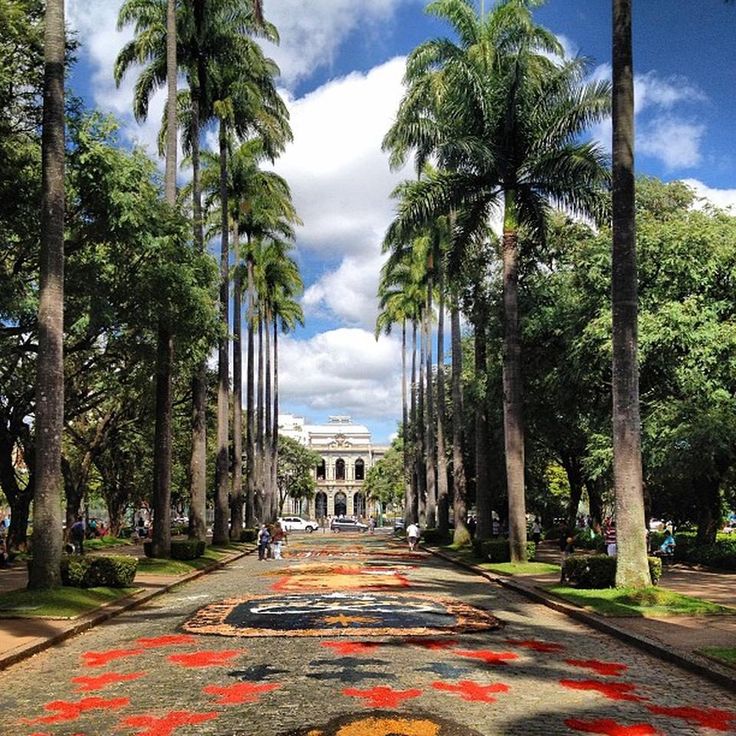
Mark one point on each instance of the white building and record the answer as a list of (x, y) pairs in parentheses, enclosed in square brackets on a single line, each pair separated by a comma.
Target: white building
[(347, 454)]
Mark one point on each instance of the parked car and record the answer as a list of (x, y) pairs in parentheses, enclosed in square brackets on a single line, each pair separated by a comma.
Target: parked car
[(399, 525), (347, 525), (297, 524)]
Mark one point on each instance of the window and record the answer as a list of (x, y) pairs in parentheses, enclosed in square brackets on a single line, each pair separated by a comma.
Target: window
[(359, 470), (340, 469), (321, 473)]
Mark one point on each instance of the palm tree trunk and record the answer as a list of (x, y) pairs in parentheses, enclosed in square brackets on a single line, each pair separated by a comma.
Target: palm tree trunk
[(220, 532), (443, 504), (236, 508), (267, 446), (162, 443), (275, 430), (198, 458), (250, 437), (44, 570), (260, 465), (430, 448), (483, 501), (632, 568), (513, 422), (421, 435), (413, 436), (405, 430), (459, 489)]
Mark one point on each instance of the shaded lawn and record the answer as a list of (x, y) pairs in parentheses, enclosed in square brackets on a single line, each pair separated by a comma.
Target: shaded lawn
[(465, 554), (629, 602), (63, 603), (104, 542), (727, 655), (156, 566)]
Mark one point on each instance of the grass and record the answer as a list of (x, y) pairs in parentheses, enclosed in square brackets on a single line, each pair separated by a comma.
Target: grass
[(58, 603), (727, 655), (630, 602), (521, 568), (155, 566), (103, 542)]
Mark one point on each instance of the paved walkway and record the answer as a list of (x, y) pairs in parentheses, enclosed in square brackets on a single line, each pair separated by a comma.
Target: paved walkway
[(318, 645)]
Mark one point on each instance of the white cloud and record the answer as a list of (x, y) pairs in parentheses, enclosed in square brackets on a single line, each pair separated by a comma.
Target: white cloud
[(312, 32), (676, 143), (724, 198), (348, 293), (344, 368), (338, 174)]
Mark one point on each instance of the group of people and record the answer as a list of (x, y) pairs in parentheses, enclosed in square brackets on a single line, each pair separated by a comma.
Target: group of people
[(271, 538)]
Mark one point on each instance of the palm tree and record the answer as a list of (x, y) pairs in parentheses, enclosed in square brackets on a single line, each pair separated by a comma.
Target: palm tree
[(506, 138), (44, 570), (632, 568)]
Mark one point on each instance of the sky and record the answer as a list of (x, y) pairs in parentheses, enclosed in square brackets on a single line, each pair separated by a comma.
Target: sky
[(342, 63)]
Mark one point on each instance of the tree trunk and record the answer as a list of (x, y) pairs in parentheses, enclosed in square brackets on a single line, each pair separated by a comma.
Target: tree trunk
[(443, 500), (513, 420), (220, 532), (459, 489), (430, 447), (275, 430), (632, 569), (421, 435), (406, 431), (161, 538), (44, 570), (198, 459), (260, 465), (162, 443), (413, 435), (574, 471), (483, 501), (237, 499), (709, 510), (271, 492), (250, 437)]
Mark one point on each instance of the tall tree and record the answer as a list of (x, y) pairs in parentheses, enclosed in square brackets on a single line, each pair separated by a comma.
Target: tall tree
[(632, 568), (510, 140), (44, 571)]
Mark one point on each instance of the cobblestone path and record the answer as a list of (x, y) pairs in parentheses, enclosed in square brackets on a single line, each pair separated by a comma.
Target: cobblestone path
[(151, 672)]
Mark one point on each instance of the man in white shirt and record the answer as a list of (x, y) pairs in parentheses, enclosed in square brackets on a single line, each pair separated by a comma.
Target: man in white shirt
[(412, 535)]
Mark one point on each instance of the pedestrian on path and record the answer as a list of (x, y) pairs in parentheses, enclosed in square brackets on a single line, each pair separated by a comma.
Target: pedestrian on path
[(567, 547), (412, 536), (609, 536), (537, 531), (278, 538), (78, 532), (264, 538)]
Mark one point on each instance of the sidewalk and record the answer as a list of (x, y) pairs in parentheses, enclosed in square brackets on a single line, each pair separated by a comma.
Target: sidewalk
[(677, 639), (23, 637)]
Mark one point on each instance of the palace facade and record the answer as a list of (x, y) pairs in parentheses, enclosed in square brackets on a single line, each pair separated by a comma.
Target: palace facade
[(347, 454)]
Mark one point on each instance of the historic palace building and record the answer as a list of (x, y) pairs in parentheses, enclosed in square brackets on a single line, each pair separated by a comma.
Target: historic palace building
[(347, 454)]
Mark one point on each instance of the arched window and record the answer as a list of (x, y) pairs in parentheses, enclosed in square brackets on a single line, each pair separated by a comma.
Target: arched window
[(341, 504), (340, 469), (359, 504), (320, 505), (321, 472), (359, 470)]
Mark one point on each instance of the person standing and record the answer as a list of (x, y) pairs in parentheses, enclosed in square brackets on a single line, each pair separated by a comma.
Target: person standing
[(609, 535), (537, 531), (263, 541), (77, 533), (412, 536), (278, 538)]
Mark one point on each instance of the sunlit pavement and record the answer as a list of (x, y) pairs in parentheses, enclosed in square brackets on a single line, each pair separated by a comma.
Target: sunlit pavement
[(351, 635)]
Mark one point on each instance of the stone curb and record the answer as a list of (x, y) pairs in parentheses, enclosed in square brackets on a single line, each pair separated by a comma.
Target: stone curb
[(712, 671), (108, 611)]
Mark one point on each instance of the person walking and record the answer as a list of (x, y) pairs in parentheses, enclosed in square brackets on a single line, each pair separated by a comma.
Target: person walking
[(412, 536), (609, 536), (264, 539), (77, 533), (277, 539), (537, 531)]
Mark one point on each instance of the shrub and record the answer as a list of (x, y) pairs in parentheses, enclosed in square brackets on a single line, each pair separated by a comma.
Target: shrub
[(586, 539), (498, 550), (187, 549), (93, 572), (599, 571), (249, 535), (434, 536)]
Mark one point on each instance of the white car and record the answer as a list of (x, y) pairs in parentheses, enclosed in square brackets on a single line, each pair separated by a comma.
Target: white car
[(297, 524)]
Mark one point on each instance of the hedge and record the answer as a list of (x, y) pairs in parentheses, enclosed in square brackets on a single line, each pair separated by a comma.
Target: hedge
[(79, 571), (498, 550), (433, 536), (249, 535), (720, 554), (181, 549), (599, 571)]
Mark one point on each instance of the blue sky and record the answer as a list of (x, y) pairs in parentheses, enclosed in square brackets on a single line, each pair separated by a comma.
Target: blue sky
[(342, 64)]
